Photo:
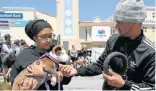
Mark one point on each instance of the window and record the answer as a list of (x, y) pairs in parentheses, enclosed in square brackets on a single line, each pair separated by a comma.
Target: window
[(153, 15), (153, 28), (145, 29), (83, 34)]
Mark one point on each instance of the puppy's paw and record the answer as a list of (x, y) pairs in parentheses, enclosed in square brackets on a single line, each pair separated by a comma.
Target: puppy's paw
[(53, 80)]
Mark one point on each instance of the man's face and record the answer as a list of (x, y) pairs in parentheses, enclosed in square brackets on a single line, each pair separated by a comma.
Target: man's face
[(124, 28)]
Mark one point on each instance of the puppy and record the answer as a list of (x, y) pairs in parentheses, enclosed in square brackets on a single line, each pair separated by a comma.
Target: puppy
[(48, 65)]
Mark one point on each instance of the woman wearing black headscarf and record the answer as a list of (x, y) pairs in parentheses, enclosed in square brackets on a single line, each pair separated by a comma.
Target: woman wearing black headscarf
[(41, 32)]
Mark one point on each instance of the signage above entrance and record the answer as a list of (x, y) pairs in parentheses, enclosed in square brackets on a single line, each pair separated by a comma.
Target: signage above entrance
[(11, 15)]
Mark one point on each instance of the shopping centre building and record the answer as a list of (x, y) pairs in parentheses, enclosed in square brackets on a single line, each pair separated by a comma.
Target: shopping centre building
[(66, 23)]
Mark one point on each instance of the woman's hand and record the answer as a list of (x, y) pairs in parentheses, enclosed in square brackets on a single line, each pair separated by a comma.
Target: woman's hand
[(28, 84), (36, 69)]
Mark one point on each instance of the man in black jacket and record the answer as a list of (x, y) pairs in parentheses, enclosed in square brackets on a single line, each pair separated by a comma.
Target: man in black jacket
[(140, 52)]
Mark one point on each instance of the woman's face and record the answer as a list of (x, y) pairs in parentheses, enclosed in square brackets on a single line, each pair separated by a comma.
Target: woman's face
[(44, 38)]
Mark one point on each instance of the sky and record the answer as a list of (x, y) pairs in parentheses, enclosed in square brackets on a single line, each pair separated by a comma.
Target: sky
[(88, 9)]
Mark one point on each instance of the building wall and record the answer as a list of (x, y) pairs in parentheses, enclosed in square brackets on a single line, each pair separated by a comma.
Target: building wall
[(19, 33), (149, 31), (89, 42), (149, 24), (151, 12), (50, 19), (73, 40)]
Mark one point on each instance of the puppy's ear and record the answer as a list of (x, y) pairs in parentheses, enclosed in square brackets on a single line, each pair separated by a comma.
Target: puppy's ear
[(54, 48), (53, 54), (35, 38)]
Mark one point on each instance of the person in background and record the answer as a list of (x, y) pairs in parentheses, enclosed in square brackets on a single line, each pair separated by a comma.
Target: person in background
[(6, 47), (16, 46), (7, 59), (73, 55), (1, 55), (23, 45), (82, 61)]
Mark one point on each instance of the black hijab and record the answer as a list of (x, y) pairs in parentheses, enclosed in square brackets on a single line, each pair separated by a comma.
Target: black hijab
[(35, 26)]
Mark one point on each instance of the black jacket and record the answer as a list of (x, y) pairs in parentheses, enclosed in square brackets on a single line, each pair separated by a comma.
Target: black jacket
[(141, 60), (28, 56)]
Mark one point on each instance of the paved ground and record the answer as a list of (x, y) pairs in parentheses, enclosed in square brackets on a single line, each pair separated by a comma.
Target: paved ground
[(85, 83), (81, 83)]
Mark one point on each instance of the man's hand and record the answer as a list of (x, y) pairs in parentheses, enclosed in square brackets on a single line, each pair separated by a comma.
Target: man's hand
[(114, 79), (67, 70), (28, 84), (59, 73)]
